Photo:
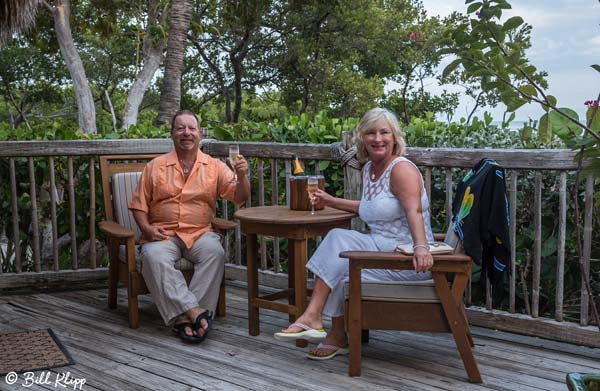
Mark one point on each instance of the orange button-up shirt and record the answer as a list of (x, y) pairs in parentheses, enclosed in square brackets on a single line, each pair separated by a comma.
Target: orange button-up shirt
[(182, 208)]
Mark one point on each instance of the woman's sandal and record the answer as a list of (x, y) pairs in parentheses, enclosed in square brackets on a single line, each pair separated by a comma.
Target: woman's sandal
[(335, 351)]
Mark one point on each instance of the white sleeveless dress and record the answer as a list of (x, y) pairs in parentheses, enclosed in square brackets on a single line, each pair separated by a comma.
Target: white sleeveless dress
[(384, 214)]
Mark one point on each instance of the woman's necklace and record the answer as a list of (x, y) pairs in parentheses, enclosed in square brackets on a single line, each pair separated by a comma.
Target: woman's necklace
[(374, 171)]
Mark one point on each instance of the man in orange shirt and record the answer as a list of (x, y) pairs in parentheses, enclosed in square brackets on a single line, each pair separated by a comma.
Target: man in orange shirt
[(173, 205)]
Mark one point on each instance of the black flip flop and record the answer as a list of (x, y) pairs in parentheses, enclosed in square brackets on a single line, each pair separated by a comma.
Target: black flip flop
[(180, 330), (208, 317)]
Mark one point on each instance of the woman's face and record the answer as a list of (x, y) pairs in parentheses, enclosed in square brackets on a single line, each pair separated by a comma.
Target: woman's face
[(379, 141)]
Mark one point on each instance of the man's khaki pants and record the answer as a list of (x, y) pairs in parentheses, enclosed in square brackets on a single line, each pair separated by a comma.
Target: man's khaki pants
[(167, 285)]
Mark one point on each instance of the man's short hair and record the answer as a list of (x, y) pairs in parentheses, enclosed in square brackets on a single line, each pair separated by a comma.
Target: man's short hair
[(184, 112)]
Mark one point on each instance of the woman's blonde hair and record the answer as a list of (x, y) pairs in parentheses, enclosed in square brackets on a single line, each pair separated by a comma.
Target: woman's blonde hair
[(368, 121)]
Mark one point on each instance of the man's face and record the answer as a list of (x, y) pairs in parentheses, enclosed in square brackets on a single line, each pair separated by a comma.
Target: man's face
[(185, 133)]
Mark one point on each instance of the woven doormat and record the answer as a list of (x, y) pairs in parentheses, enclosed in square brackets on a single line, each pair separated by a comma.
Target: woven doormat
[(32, 351)]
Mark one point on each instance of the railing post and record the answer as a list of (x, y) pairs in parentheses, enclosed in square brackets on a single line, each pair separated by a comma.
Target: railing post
[(34, 216), (587, 248), (560, 262), (513, 237), (449, 197), (72, 213), (92, 256), (53, 203), (537, 245), (352, 185), (15, 215)]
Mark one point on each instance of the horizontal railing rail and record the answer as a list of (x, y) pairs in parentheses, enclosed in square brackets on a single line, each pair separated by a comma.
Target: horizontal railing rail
[(533, 159), (49, 181)]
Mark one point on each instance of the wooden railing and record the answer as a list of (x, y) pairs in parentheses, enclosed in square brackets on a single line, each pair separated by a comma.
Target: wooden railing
[(270, 160)]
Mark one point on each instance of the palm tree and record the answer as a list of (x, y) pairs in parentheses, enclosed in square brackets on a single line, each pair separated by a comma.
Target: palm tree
[(170, 93), (16, 15)]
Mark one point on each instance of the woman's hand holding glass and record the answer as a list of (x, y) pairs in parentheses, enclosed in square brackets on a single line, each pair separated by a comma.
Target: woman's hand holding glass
[(321, 198)]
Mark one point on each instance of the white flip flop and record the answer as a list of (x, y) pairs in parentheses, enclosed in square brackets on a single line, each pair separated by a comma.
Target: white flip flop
[(337, 351), (307, 333)]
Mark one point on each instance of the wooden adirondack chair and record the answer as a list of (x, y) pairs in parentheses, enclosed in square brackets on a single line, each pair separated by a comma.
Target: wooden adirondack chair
[(428, 306)]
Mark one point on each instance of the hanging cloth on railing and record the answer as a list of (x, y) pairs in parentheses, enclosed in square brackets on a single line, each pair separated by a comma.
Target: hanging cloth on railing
[(346, 156), (481, 219)]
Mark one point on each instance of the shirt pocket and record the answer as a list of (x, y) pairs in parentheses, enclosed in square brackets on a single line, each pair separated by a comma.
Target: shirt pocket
[(165, 185)]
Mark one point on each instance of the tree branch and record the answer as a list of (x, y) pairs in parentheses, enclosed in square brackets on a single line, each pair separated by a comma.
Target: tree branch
[(535, 99), (537, 87), (48, 6), (12, 99)]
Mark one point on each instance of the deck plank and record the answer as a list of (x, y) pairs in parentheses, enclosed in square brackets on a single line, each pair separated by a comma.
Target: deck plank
[(111, 356), (439, 357)]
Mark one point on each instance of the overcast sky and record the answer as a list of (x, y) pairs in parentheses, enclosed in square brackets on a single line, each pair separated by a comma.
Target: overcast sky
[(565, 41)]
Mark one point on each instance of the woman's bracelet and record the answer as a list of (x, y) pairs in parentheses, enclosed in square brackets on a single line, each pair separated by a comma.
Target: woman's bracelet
[(424, 245)]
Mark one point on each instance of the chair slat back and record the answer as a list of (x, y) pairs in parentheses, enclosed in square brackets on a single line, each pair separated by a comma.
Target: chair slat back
[(110, 168), (123, 187)]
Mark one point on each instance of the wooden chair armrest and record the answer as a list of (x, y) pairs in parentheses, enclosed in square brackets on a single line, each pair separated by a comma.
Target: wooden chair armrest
[(115, 230), (439, 237), (223, 225), (449, 263)]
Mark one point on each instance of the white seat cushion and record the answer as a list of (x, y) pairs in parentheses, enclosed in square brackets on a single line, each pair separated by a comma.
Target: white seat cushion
[(399, 291)]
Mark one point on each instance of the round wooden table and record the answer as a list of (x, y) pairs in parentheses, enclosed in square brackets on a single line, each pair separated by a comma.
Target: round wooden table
[(296, 226)]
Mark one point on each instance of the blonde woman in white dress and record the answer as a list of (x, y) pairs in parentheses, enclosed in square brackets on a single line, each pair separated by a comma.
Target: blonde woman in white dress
[(394, 204)]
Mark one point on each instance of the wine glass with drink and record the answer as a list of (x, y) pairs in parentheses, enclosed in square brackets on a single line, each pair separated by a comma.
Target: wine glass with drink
[(234, 152), (312, 185)]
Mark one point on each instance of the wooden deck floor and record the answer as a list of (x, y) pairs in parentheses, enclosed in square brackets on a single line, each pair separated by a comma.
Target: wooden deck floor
[(110, 356)]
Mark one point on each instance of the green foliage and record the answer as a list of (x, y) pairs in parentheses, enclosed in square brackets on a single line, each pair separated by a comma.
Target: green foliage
[(321, 129), (421, 104), (479, 133), (254, 61), (494, 54)]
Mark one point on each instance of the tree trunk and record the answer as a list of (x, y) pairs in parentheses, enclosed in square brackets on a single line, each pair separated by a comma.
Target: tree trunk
[(170, 93), (227, 98), (83, 94), (153, 56), (11, 119), (305, 95), (220, 79), (236, 63)]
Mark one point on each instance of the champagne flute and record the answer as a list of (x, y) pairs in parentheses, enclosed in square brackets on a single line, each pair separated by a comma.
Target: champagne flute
[(234, 151), (312, 186)]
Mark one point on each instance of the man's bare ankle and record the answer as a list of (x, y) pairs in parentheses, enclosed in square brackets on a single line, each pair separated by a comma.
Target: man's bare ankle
[(193, 313)]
